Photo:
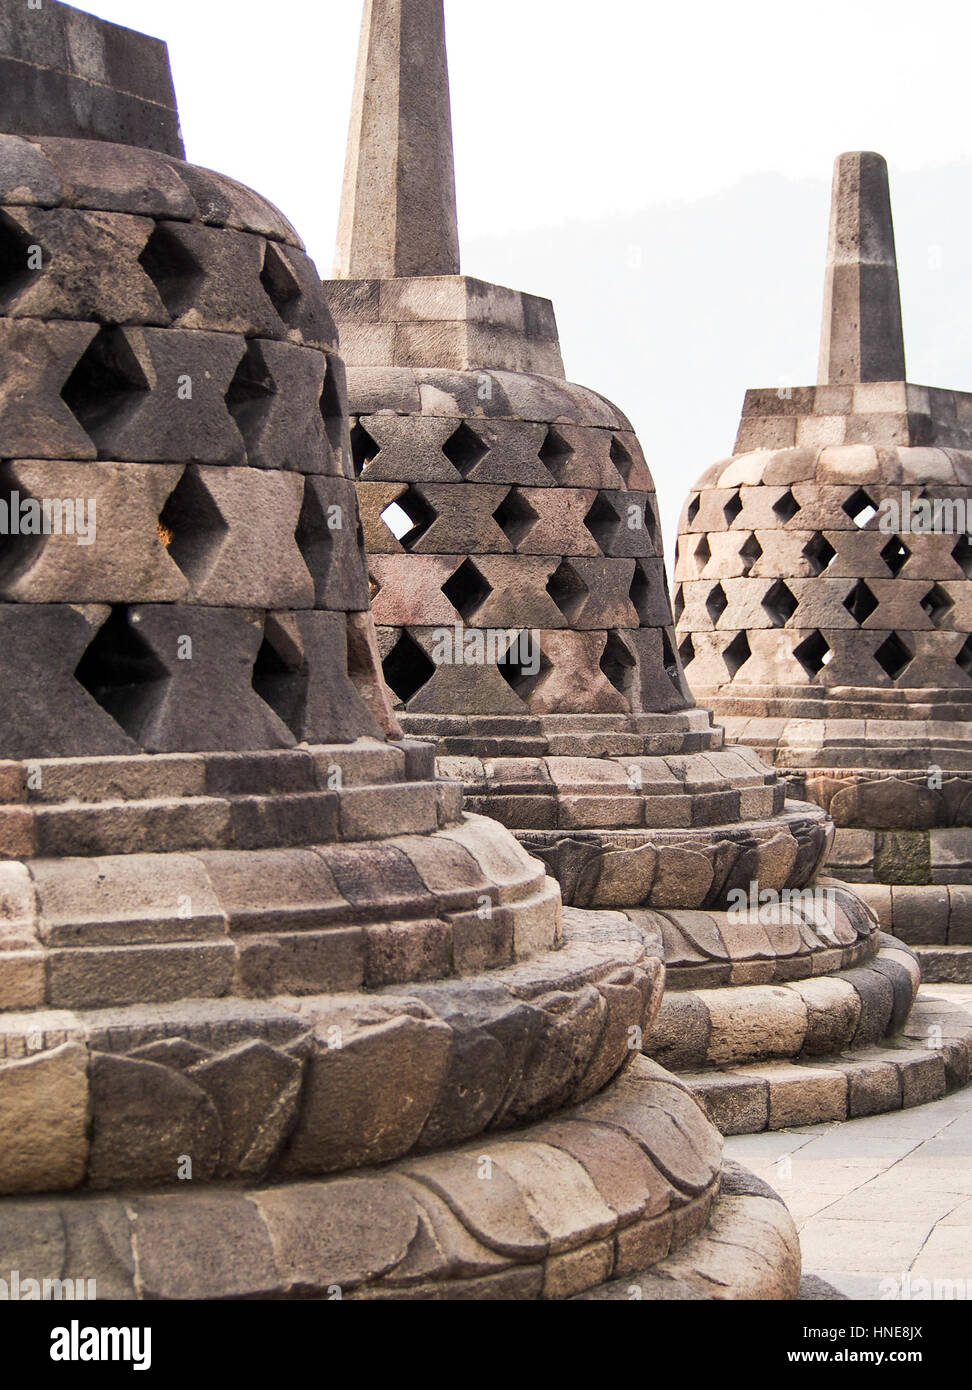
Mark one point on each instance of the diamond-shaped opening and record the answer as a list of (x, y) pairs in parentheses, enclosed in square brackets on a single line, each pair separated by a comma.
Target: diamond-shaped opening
[(364, 450), (318, 532), (515, 517), (893, 656), (737, 653), (716, 603), (173, 269), (780, 603), (786, 507), (640, 594), (467, 589), (568, 590), (409, 517), (964, 657), (17, 548), (860, 602), (936, 604), (250, 391), (191, 527), (519, 666), (602, 521), (621, 459), (818, 552), (374, 588), (280, 675), (860, 508), (686, 650), (15, 271), (618, 664), (670, 660), (406, 668), (333, 411), (695, 502), (962, 555), (105, 380), (653, 526), (678, 607), (555, 455), (813, 653), (464, 449), (120, 670), (750, 553), (732, 508), (702, 554), (280, 283), (895, 554)]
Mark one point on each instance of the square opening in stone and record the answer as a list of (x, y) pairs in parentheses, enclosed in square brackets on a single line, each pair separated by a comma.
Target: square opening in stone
[(936, 604), (780, 603), (818, 553), (895, 555), (893, 656), (555, 455), (464, 449), (364, 450), (860, 602), (406, 668), (466, 590), (737, 654), (786, 507), (860, 508), (813, 653)]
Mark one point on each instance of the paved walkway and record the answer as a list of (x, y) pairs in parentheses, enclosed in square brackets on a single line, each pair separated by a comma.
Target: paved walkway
[(883, 1198)]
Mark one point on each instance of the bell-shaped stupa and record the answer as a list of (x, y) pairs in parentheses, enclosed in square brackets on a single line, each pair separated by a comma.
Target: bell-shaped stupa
[(277, 1019), (524, 622), (824, 600)]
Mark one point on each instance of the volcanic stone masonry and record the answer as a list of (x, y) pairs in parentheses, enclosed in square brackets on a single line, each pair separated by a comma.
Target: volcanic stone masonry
[(524, 623), (277, 1018), (824, 600)]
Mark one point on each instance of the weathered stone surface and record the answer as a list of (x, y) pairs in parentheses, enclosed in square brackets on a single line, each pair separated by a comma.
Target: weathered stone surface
[(862, 338), (38, 359), (103, 545), (255, 1089), (339, 1235), (155, 395), (44, 1109), (70, 73), (367, 1100), (216, 1246), (398, 211), (89, 268), (146, 1120)]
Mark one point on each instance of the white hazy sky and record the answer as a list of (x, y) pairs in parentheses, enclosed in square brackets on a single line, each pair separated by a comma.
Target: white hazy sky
[(662, 171), (567, 110)]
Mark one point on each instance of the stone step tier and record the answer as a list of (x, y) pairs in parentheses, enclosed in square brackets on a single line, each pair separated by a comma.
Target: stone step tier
[(928, 1058), (626, 1186)]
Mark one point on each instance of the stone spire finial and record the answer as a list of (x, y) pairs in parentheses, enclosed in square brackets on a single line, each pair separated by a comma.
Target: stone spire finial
[(398, 208), (862, 338)]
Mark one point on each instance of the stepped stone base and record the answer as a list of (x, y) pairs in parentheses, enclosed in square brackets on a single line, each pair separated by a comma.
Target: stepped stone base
[(802, 1018), (926, 1060), (945, 964), (750, 1250), (622, 1187)]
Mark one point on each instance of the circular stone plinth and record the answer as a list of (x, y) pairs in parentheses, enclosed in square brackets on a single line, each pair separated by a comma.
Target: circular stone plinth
[(929, 1057), (621, 1187), (683, 868)]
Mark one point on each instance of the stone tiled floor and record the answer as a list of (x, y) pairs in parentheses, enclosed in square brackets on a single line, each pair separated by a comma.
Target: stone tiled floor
[(883, 1198)]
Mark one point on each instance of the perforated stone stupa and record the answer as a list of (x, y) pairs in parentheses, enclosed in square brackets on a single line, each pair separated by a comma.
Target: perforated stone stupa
[(269, 999), (524, 623), (824, 601)]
